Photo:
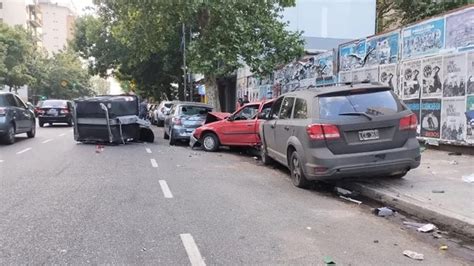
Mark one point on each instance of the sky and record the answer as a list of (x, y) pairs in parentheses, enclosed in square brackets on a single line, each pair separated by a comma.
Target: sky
[(77, 5)]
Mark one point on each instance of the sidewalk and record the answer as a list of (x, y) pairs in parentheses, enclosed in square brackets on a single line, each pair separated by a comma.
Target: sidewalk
[(413, 194)]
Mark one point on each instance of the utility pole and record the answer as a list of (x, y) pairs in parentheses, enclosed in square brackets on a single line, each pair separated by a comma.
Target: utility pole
[(191, 85), (184, 62)]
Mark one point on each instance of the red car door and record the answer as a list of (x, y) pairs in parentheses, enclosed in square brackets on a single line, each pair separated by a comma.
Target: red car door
[(240, 129)]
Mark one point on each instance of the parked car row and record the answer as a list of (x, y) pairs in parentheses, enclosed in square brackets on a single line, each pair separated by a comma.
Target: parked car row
[(319, 134), (18, 117)]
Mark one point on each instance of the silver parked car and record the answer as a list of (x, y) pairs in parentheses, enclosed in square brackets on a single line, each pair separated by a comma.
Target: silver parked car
[(343, 131), (159, 113), (15, 118), (183, 119)]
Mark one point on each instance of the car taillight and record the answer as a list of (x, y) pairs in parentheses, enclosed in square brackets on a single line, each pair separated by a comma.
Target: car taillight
[(3, 111), (323, 131), (64, 111), (177, 121), (408, 122)]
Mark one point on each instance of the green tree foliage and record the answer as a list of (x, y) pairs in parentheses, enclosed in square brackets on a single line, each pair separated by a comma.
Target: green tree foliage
[(402, 12), (144, 40), (15, 51)]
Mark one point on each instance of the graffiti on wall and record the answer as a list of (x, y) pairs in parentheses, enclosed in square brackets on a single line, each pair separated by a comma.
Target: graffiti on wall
[(423, 39), (325, 68), (470, 73), (470, 119), (411, 77), (388, 77), (460, 29), (430, 119), (432, 77), (351, 55), (383, 49)]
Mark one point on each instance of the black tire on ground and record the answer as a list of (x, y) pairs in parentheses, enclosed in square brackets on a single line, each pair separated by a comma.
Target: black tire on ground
[(171, 137), (266, 160), (165, 135), (210, 142), (32, 132), (41, 124), (297, 175), (9, 138)]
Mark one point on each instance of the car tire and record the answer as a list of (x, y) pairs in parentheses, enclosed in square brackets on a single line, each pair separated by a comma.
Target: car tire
[(9, 138), (32, 132), (165, 135), (297, 175), (171, 138), (41, 124), (266, 160), (210, 142)]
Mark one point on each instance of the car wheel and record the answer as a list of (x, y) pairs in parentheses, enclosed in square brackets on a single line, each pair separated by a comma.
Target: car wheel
[(41, 124), (9, 138), (165, 135), (171, 137), (32, 132), (266, 160), (210, 142), (297, 175)]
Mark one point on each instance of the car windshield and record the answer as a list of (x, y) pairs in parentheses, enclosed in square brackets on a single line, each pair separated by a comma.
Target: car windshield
[(194, 110), (370, 103), (53, 104)]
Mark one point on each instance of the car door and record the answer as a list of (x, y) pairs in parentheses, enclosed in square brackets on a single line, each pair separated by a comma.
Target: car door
[(168, 119), (284, 128), (240, 129), (25, 115), (269, 128), (17, 115)]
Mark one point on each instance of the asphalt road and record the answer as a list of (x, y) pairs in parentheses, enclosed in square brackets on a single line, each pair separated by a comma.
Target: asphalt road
[(63, 203)]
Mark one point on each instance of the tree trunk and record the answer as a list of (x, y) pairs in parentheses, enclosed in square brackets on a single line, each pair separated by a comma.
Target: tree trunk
[(212, 93)]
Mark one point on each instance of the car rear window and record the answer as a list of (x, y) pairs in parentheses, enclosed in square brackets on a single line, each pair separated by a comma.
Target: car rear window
[(372, 103), (194, 110), (53, 104)]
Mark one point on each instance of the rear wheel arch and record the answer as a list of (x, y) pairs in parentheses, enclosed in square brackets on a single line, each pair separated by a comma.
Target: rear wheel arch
[(294, 145)]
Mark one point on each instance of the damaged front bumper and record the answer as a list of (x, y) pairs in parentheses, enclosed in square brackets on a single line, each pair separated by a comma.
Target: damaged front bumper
[(194, 142)]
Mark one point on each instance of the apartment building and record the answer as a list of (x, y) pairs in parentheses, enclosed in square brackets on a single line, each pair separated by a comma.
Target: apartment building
[(25, 13), (58, 25)]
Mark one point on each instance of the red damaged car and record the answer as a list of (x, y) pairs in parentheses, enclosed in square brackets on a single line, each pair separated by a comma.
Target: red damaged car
[(238, 129)]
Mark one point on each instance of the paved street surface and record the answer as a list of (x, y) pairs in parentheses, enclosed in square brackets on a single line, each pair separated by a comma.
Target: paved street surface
[(61, 202)]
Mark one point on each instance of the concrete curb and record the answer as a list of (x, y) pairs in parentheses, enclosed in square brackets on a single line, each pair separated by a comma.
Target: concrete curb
[(449, 221)]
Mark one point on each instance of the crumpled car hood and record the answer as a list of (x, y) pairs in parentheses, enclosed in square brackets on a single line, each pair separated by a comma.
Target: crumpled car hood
[(216, 116)]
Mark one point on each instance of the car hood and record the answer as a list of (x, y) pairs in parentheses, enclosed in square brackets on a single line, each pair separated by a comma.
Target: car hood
[(216, 116)]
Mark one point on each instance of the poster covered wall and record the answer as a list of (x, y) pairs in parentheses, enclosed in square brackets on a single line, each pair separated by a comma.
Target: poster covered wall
[(414, 106), (345, 76), (383, 49), (371, 73), (470, 119), (351, 55), (325, 68), (388, 76), (411, 77), (431, 78), (453, 119), (470, 73), (454, 74), (460, 29), (430, 120), (423, 39)]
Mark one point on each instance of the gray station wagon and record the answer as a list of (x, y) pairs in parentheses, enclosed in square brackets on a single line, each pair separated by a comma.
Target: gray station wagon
[(342, 131)]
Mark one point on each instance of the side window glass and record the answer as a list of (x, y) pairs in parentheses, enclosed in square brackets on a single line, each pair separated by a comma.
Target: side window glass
[(287, 107), (276, 109), (247, 113), (19, 102), (301, 109), (11, 101)]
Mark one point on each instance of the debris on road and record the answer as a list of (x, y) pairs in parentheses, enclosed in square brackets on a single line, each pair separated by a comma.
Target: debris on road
[(383, 212), (453, 162), (351, 200), (444, 247), (427, 228), (329, 261), (376, 241), (437, 191), (309, 228), (455, 153), (437, 234), (345, 192), (413, 255), (413, 224), (468, 178)]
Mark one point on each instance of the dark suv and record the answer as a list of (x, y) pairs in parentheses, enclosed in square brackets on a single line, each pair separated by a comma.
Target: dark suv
[(55, 111), (15, 118), (342, 131)]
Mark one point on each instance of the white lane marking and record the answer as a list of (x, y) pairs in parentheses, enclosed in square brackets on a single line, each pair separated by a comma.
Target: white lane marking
[(148, 150), (191, 248), (166, 190), (62, 134), (22, 151), (46, 141), (154, 163)]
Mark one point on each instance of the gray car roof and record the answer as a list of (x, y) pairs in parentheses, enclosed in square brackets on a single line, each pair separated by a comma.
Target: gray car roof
[(193, 103), (316, 91)]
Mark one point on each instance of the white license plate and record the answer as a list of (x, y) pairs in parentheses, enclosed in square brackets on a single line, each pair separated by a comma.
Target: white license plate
[(369, 134), (52, 112)]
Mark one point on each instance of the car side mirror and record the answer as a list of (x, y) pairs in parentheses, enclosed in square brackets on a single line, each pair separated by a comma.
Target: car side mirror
[(231, 118)]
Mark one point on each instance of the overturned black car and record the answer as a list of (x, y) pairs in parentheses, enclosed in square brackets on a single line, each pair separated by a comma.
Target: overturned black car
[(110, 119)]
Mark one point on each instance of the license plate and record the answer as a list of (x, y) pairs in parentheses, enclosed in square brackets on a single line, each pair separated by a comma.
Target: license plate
[(52, 112), (369, 134)]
